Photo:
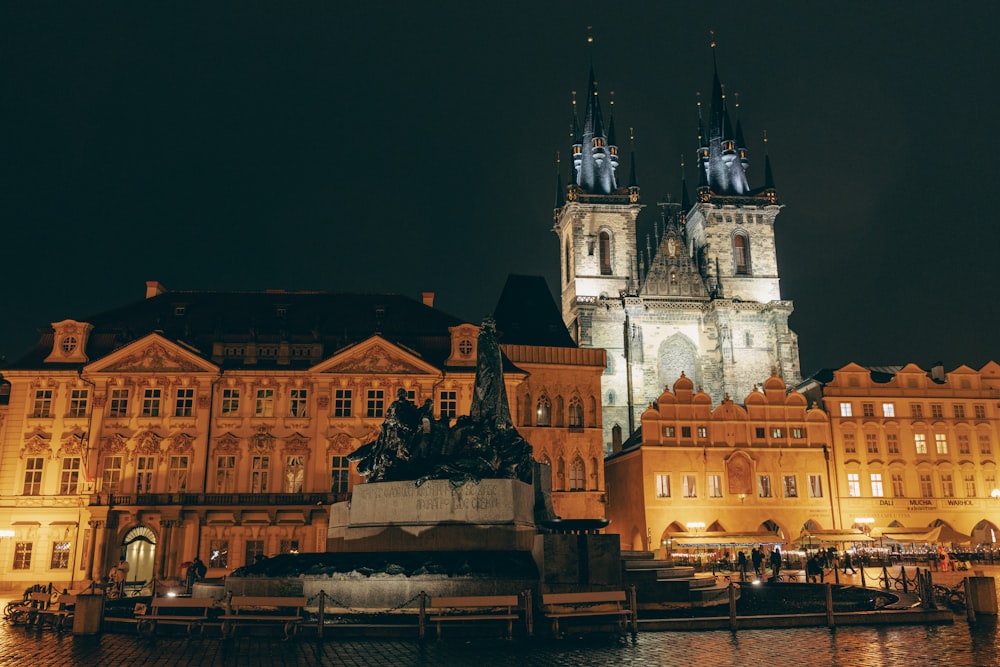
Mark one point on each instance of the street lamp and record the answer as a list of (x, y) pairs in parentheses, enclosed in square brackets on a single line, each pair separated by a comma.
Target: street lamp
[(995, 494), (865, 522)]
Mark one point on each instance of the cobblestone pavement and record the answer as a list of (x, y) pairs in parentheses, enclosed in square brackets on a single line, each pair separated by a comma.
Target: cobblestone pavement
[(958, 645)]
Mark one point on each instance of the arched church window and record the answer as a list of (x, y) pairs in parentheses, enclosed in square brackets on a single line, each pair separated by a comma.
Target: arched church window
[(605, 241), (741, 254), (528, 408), (543, 412), (577, 475), (575, 412)]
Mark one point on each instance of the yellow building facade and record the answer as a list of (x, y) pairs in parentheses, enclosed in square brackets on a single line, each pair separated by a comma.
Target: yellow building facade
[(760, 467), (917, 448), (219, 425)]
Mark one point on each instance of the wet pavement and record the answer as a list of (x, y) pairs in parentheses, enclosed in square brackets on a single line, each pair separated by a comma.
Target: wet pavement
[(960, 644)]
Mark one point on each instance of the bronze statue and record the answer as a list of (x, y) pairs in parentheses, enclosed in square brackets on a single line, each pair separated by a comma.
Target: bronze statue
[(412, 445)]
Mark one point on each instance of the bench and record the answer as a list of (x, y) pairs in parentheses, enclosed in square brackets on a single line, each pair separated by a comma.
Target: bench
[(590, 605), (474, 608), (263, 610), (59, 613), (190, 612), (25, 612)]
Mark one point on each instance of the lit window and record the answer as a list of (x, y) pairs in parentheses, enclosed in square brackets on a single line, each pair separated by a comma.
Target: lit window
[(663, 486), (60, 556), (853, 485), (920, 443), (702, 431), (218, 553), (715, 486), (941, 443), (669, 431), (289, 547), (777, 433), (298, 402), (690, 488), (888, 410), (22, 555), (845, 409), (264, 406), (764, 486), (177, 474), (797, 433), (876, 480), (543, 412), (295, 471), (225, 473), (260, 470), (791, 489)]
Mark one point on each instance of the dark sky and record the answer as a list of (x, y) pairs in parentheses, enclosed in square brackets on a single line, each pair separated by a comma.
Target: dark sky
[(410, 146)]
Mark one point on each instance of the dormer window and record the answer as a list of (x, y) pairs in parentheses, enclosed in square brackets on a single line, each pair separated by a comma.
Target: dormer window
[(69, 344), (465, 347), (179, 311)]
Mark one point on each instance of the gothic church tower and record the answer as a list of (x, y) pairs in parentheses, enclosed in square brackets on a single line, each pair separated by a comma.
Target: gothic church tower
[(699, 297)]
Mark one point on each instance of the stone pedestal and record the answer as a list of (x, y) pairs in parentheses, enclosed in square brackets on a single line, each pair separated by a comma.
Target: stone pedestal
[(493, 514), (981, 595), (88, 617)]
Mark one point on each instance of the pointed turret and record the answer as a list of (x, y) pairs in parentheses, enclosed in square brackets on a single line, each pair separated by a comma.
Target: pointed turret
[(596, 159)]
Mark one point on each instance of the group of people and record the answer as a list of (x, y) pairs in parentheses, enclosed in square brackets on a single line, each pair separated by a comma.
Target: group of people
[(815, 566), (117, 576)]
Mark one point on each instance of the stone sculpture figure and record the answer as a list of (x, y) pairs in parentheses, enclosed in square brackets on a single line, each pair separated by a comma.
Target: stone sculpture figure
[(412, 445)]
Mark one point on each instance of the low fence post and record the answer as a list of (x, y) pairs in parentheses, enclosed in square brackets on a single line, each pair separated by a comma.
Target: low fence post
[(885, 576), (831, 620), (423, 614), (732, 606), (321, 615)]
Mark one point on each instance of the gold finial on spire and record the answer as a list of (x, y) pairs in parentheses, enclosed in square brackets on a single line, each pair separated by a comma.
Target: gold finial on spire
[(765, 137), (590, 34), (682, 161), (736, 99), (631, 134), (612, 94), (711, 38), (722, 87)]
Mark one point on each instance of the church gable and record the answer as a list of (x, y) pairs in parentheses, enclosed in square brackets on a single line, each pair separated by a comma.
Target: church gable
[(152, 354), (376, 356)]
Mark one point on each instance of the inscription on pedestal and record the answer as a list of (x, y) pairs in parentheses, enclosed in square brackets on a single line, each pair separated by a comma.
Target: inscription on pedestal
[(491, 501)]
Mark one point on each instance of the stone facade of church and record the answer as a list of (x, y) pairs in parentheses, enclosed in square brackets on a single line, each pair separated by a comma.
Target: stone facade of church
[(700, 295)]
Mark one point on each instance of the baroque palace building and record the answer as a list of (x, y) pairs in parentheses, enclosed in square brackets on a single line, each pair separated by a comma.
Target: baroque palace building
[(905, 454), (700, 295), (219, 424)]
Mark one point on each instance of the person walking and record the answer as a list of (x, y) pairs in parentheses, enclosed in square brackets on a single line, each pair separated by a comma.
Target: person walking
[(757, 558), (814, 569), (775, 563), (848, 563), (741, 563)]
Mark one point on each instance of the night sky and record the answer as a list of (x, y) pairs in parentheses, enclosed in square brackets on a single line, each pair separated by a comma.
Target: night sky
[(410, 146)]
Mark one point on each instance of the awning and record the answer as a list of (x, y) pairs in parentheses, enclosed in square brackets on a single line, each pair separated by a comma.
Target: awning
[(911, 535), (832, 536), (725, 539)]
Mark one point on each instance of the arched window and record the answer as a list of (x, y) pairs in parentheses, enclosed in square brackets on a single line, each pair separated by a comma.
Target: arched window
[(741, 254), (577, 475), (557, 416), (575, 412), (605, 241), (528, 408), (543, 412)]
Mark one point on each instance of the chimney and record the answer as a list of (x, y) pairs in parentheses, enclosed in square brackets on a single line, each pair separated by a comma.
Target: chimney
[(937, 371), (616, 439), (154, 288), (428, 298)]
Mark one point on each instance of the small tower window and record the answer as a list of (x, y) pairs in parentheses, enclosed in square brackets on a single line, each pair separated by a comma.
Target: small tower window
[(741, 254), (568, 256), (605, 241)]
